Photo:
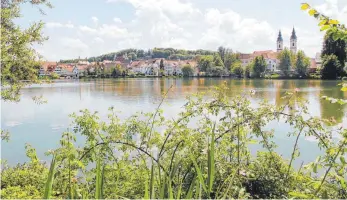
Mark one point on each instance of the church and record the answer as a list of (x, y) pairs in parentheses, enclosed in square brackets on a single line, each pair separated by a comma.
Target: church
[(270, 56), (293, 42)]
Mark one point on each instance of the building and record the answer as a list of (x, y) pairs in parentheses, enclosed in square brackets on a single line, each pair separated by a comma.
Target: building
[(47, 68), (270, 56), (293, 45)]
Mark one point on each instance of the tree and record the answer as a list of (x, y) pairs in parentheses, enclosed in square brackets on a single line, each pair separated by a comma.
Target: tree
[(205, 63), (302, 64), (335, 47), (230, 59), (216, 71), (330, 65), (258, 66), (285, 59), (187, 70), (161, 66), (237, 69), (140, 53), (132, 56), (247, 70), (19, 61), (218, 61), (118, 71), (222, 51)]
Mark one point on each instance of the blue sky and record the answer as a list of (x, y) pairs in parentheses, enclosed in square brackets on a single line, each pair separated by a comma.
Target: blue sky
[(93, 27)]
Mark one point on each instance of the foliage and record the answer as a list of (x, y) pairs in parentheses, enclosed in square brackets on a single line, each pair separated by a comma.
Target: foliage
[(258, 66), (302, 64), (217, 60), (330, 64), (118, 71), (237, 69), (216, 71), (248, 70), (230, 59), (337, 48), (285, 59), (133, 158), (187, 70), (205, 63), (19, 61), (54, 75)]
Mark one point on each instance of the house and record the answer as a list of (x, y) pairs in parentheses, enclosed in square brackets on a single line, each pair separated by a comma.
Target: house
[(79, 70), (47, 68), (138, 67), (313, 66), (269, 56), (67, 71), (152, 67)]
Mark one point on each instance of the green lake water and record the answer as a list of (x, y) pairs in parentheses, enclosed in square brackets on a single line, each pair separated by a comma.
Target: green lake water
[(42, 125)]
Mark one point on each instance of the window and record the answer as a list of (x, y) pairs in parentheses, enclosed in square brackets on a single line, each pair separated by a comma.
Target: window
[(279, 46), (293, 43)]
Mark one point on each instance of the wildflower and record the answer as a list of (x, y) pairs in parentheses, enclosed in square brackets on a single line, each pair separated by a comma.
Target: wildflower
[(74, 180), (243, 173), (297, 90), (252, 92), (333, 100)]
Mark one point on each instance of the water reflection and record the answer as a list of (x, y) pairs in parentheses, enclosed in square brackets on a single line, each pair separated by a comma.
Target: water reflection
[(41, 125)]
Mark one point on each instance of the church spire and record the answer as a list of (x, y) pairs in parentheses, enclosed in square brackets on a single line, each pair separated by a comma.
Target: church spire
[(293, 42), (279, 38), (293, 37), (279, 42)]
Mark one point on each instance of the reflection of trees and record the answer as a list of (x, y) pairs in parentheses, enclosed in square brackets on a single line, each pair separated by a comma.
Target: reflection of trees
[(330, 110)]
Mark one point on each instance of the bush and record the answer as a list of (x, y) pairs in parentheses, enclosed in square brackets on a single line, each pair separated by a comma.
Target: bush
[(330, 66), (187, 70), (237, 69)]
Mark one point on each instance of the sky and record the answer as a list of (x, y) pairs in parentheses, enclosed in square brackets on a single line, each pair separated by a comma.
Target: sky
[(85, 28)]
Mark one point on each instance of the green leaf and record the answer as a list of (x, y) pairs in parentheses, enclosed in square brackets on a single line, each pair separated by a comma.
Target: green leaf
[(191, 187), (342, 159), (322, 22), (305, 6), (252, 141), (162, 189), (211, 163), (315, 168), (98, 183), (146, 196), (198, 171), (299, 195), (325, 27), (169, 189), (152, 182), (49, 182), (312, 12), (344, 89), (333, 21)]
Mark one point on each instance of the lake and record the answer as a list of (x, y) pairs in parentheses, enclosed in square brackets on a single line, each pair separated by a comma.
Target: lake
[(42, 125)]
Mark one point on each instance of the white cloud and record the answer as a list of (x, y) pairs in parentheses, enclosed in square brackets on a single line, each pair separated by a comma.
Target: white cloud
[(117, 20), (87, 29), (181, 24), (95, 20), (74, 43), (59, 25), (332, 9)]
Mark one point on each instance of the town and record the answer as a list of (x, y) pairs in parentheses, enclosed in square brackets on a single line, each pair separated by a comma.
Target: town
[(152, 65)]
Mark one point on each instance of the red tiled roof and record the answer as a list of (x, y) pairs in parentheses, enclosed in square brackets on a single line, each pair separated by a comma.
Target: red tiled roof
[(245, 56)]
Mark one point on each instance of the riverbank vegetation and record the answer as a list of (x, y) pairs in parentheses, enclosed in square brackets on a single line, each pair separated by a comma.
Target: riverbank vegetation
[(150, 156)]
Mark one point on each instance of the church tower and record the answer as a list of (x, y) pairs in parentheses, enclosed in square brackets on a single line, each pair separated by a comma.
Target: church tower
[(293, 42), (279, 42)]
